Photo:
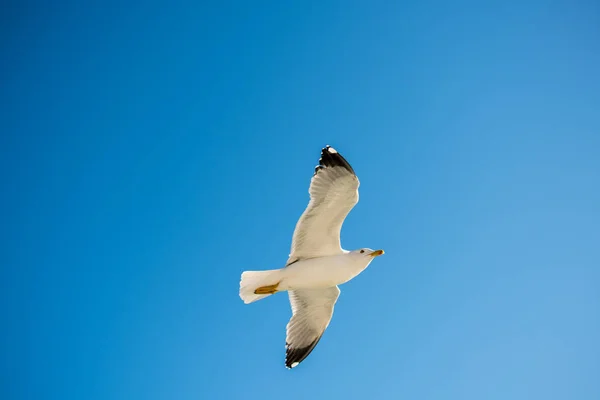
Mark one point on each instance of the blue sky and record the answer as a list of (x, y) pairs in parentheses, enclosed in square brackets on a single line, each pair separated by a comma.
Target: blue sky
[(151, 152)]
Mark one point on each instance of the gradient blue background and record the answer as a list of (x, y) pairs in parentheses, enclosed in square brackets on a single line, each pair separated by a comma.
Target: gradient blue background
[(151, 152)]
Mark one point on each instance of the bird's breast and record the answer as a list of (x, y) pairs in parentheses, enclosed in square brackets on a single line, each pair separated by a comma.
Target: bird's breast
[(320, 272)]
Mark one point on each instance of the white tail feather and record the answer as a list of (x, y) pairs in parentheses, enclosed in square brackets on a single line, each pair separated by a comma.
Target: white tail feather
[(252, 280)]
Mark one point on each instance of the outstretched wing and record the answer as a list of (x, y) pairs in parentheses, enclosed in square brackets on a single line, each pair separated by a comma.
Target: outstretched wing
[(312, 310), (333, 193)]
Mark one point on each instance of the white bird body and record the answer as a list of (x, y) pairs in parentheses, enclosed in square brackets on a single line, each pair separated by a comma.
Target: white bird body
[(323, 272), (317, 264), (313, 273)]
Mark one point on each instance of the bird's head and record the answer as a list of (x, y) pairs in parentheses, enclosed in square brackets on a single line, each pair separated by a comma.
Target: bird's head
[(367, 253)]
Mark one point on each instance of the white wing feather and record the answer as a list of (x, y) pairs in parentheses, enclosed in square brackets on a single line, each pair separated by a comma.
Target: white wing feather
[(333, 193), (312, 310)]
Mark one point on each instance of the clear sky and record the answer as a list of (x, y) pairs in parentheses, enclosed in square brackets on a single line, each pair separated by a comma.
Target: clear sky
[(152, 151)]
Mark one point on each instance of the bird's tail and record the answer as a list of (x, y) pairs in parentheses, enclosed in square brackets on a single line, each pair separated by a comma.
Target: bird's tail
[(256, 285)]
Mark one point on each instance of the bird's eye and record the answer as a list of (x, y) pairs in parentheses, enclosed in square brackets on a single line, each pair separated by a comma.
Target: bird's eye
[(362, 251)]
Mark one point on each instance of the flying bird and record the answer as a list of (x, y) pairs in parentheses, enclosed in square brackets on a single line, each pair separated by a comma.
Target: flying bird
[(317, 263)]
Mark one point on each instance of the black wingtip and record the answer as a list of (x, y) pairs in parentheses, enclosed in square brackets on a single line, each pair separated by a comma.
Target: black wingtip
[(331, 158), (295, 355)]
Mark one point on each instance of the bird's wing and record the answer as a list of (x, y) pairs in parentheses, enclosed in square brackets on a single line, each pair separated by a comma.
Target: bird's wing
[(311, 312), (333, 193)]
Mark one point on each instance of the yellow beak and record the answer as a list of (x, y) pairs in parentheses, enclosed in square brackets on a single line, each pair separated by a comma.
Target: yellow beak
[(377, 253)]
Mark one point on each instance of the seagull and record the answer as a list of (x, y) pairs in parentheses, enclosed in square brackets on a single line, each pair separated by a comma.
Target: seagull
[(317, 263)]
